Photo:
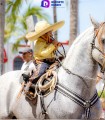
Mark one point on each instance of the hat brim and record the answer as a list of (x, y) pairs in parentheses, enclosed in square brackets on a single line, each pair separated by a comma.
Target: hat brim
[(21, 52), (33, 35)]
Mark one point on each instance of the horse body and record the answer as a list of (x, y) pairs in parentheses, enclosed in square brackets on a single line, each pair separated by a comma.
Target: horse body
[(9, 104), (82, 64), (80, 61)]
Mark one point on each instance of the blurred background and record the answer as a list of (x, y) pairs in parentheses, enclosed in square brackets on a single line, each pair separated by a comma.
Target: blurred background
[(18, 17), (22, 15)]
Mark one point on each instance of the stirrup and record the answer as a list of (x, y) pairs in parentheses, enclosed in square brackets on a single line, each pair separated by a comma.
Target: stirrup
[(43, 115), (31, 96)]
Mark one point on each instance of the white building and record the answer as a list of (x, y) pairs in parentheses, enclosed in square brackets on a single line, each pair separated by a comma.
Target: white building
[(14, 59)]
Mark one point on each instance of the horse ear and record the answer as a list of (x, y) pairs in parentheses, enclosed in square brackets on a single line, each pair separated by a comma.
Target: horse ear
[(94, 22)]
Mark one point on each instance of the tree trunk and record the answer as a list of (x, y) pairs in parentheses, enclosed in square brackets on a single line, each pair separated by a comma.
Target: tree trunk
[(2, 22), (55, 20), (73, 20)]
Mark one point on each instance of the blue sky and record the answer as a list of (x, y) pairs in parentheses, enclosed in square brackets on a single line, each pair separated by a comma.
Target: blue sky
[(95, 8), (62, 14)]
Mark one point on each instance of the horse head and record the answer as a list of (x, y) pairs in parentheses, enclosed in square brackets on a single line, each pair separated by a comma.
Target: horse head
[(98, 43)]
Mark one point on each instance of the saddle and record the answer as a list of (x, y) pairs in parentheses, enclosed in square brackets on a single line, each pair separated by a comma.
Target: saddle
[(46, 83), (44, 86)]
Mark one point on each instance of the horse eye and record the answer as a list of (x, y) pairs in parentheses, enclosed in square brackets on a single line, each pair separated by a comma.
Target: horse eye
[(103, 40)]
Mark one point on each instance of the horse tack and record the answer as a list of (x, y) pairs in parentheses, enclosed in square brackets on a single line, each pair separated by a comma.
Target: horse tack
[(86, 104), (30, 95), (65, 111), (72, 95), (49, 87), (21, 90), (82, 102), (98, 34)]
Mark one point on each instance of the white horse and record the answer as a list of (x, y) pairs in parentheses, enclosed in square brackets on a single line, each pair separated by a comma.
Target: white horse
[(75, 95)]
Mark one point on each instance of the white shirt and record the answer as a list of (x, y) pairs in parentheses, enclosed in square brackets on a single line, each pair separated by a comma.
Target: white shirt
[(28, 67)]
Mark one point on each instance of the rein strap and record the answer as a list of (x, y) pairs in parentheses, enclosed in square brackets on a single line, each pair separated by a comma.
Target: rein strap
[(78, 99)]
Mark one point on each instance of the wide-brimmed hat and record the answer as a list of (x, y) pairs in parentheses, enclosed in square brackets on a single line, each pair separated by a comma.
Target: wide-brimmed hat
[(43, 27), (26, 50)]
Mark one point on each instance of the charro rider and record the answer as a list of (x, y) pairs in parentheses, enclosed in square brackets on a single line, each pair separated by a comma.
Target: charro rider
[(44, 49)]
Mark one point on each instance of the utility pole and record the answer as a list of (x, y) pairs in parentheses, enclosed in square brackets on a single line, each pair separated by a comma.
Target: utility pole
[(2, 23)]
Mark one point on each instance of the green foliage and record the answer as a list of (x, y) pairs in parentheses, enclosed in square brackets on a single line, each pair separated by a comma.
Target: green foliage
[(103, 94), (12, 9), (16, 20), (9, 3), (17, 43)]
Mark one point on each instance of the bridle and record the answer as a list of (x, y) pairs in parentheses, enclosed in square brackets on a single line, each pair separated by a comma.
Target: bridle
[(86, 104), (95, 47)]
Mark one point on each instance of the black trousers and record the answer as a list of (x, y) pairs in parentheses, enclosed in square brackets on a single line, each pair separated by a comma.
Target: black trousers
[(43, 67)]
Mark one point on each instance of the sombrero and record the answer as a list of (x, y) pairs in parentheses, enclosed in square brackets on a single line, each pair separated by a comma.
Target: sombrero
[(43, 27)]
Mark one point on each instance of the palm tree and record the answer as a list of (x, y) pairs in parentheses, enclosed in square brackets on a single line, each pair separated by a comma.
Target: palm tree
[(19, 23), (2, 22), (55, 20), (12, 10), (23, 28), (73, 20)]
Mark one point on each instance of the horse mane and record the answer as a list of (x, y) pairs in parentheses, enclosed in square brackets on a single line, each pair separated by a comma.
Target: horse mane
[(81, 43), (86, 34)]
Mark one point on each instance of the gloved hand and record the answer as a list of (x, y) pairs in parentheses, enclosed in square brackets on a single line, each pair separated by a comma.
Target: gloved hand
[(25, 77)]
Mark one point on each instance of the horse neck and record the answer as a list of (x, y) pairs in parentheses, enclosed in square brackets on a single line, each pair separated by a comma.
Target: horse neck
[(79, 61)]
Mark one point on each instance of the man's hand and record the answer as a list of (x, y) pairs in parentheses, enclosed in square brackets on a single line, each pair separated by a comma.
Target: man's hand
[(32, 78), (49, 72), (56, 44)]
